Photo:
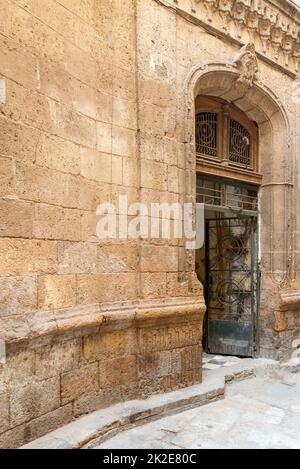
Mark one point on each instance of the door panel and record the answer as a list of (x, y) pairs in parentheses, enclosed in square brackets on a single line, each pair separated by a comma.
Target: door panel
[(231, 285)]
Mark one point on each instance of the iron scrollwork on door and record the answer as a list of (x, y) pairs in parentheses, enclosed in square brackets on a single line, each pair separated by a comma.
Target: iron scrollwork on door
[(232, 285)]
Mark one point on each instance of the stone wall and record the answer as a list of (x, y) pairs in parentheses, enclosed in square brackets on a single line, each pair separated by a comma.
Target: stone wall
[(49, 381), (99, 103), (86, 323), (68, 141)]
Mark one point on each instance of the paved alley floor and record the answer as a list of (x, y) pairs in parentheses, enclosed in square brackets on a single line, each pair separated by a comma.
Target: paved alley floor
[(256, 413)]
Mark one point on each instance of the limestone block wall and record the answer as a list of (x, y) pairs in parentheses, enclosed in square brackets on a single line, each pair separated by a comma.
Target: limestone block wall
[(98, 104), (48, 381), (177, 38), (85, 323), (68, 142)]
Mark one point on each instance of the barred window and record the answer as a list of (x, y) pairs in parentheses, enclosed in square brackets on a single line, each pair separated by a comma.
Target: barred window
[(239, 144), (206, 133), (220, 192), (225, 137)]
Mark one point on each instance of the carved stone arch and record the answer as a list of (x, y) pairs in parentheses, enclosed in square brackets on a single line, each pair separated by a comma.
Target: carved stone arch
[(221, 78), (261, 105)]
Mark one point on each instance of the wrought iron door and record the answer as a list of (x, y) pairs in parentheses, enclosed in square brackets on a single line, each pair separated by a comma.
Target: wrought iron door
[(231, 285)]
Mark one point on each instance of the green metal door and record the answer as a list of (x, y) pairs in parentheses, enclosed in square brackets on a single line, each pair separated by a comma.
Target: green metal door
[(231, 285)]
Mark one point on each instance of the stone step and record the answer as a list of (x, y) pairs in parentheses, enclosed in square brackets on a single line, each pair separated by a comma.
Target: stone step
[(98, 426)]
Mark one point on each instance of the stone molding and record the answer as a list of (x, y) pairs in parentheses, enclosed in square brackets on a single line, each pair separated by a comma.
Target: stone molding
[(273, 25), (264, 20), (287, 315), (119, 315), (201, 70), (247, 66), (290, 300), (222, 77)]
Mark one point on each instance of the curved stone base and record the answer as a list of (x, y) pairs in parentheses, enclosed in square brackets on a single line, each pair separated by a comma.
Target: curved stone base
[(69, 367)]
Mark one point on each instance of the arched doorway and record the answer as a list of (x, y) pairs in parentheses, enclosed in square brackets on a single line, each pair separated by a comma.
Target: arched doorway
[(227, 265), (272, 177)]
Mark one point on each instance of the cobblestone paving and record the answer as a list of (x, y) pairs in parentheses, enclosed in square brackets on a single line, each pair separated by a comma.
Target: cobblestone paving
[(256, 413)]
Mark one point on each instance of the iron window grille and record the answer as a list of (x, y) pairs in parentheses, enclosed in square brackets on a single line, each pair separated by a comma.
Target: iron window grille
[(225, 136), (239, 144), (206, 133)]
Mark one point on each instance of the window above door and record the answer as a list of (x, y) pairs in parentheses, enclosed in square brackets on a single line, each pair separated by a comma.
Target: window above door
[(223, 195), (225, 137)]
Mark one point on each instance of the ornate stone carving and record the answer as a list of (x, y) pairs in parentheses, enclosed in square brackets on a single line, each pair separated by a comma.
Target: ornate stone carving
[(296, 56), (211, 6), (240, 14), (247, 65), (277, 37), (265, 25), (288, 42), (261, 22), (253, 19), (225, 8)]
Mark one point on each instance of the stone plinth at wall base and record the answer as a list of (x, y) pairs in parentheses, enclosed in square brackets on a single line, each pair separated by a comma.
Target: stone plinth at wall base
[(90, 430), (287, 325), (62, 365), (279, 320)]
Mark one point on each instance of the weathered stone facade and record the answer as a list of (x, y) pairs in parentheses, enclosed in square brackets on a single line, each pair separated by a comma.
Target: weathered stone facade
[(98, 102)]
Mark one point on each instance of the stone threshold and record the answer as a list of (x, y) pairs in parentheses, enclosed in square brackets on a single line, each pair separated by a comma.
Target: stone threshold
[(91, 430)]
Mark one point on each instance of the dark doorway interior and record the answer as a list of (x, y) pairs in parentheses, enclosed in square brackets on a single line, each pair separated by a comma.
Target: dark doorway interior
[(227, 265)]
